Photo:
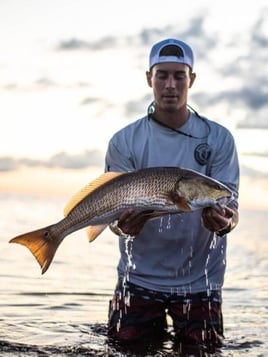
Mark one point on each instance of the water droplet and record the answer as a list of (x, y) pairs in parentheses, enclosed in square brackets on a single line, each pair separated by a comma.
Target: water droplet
[(169, 222), (160, 229)]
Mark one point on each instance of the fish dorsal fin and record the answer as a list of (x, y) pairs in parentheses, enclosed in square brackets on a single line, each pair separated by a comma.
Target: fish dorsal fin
[(90, 187)]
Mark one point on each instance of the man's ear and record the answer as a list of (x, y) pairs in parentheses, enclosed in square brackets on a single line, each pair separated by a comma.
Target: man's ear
[(149, 78), (192, 79)]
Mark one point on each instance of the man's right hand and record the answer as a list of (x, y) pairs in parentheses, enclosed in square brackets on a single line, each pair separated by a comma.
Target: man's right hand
[(131, 223)]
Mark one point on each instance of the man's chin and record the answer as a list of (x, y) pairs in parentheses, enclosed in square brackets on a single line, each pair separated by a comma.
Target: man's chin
[(170, 108)]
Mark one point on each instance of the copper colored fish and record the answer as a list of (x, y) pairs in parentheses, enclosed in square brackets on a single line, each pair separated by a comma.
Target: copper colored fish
[(160, 190)]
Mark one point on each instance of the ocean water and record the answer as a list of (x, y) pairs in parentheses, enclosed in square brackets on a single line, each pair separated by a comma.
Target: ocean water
[(64, 311)]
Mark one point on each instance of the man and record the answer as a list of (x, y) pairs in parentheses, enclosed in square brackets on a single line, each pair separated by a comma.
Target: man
[(179, 260)]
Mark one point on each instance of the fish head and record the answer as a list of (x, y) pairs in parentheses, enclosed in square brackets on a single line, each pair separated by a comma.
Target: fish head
[(199, 191)]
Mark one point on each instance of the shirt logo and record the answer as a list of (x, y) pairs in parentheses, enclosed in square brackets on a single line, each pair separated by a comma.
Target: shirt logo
[(202, 153)]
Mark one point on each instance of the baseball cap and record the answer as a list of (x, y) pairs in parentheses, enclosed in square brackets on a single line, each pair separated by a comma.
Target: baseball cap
[(186, 58)]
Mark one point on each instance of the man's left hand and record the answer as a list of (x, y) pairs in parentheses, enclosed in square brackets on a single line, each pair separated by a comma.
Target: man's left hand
[(220, 221)]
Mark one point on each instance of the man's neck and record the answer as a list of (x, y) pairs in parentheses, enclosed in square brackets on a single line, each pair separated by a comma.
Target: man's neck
[(172, 119)]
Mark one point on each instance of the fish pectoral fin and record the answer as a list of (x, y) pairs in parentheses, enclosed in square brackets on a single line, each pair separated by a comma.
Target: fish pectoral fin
[(90, 187), (40, 245), (94, 231)]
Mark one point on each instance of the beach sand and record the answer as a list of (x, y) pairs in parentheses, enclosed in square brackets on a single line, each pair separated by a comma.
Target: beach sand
[(66, 182)]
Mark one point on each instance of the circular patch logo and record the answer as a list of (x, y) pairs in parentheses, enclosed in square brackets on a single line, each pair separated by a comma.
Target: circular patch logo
[(202, 153)]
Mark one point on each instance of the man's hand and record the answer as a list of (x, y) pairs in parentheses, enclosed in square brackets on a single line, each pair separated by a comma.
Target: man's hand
[(131, 223), (222, 221)]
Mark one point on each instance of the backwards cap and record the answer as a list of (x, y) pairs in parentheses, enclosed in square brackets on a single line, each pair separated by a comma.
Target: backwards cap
[(155, 58)]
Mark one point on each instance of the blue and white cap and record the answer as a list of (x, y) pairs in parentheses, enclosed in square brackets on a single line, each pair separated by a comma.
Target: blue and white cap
[(155, 54)]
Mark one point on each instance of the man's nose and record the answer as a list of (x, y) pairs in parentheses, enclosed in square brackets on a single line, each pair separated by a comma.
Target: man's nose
[(171, 82)]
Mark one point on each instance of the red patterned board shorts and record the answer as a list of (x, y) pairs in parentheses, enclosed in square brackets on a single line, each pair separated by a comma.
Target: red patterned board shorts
[(136, 312)]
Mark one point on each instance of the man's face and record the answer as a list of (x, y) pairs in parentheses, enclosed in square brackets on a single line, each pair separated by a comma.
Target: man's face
[(170, 83)]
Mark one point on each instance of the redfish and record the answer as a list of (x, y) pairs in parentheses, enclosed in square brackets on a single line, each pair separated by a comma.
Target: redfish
[(159, 190)]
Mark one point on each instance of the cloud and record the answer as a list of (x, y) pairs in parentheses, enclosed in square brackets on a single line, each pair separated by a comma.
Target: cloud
[(136, 107), (45, 82), (73, 44), (91, 100), (77, 44), (59, 160), (250, 172), (78, 161), (7, 164), (193, 32), (254, 121), (10, 86), (259, 34), (249, 97)]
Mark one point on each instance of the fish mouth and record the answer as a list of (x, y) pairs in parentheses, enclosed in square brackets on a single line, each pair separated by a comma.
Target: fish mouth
[(218, 204), (223, 201)]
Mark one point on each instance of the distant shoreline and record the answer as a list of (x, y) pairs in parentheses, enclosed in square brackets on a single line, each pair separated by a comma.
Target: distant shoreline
[(66, 182)]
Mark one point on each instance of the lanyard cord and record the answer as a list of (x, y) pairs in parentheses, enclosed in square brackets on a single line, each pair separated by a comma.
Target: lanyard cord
[(150, 115)]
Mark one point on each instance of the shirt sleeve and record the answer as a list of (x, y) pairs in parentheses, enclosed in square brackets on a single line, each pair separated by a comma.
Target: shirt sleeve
[(225, 165), (118, 157)]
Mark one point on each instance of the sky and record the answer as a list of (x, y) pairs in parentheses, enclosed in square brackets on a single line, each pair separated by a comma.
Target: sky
[(73, 72)]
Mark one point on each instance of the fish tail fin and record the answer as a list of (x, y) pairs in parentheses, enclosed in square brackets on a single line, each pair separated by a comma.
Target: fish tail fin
[(41, 245)]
